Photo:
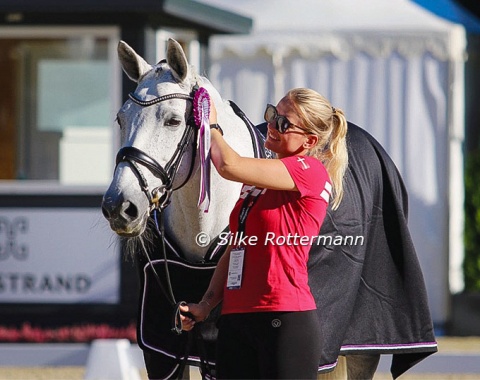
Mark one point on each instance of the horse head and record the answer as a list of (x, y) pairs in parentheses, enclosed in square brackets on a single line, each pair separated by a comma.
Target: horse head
[(157, 164)]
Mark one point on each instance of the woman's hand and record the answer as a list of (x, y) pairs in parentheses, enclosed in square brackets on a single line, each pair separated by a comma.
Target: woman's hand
[(200, 311)]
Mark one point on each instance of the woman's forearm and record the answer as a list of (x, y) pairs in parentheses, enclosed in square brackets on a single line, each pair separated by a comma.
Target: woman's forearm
[(225, 159), (214, 294)]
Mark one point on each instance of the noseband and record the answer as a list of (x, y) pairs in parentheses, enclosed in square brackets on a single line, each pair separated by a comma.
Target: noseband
[(159, 197)]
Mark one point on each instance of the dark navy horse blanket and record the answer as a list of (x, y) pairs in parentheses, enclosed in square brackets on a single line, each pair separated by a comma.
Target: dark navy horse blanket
[(364, 274), (165, 351)]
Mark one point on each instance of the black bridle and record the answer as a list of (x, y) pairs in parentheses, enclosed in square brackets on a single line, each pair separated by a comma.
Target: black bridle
[(159, 197), (136, 157)]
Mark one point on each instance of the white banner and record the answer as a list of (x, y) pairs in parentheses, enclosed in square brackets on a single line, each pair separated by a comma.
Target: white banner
[(58, 255)]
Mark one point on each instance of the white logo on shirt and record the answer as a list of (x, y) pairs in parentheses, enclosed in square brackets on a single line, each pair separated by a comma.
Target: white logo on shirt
[(305, 165)]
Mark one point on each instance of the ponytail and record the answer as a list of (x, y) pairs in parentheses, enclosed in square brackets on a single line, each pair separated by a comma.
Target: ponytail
[(336, 149)]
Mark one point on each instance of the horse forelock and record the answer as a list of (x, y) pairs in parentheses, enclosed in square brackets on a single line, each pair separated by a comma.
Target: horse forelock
[(163, 73)]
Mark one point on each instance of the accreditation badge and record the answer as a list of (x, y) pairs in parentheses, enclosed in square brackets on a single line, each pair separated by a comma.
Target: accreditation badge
[(235, 268)]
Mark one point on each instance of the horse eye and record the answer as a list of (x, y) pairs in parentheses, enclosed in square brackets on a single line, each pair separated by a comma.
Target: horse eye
[(173, 122)]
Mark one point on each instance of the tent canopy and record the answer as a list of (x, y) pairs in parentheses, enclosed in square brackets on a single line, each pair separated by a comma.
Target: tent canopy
[(314, 15), (340, 28)]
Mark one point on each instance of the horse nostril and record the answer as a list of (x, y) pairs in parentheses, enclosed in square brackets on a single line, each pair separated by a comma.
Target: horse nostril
[(105, 213), (131, 210)]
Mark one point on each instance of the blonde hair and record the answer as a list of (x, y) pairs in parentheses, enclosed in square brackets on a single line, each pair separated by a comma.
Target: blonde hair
[(330, 125)]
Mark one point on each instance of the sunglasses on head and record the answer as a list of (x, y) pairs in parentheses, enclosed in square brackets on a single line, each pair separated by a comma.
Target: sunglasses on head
[(281, 122)]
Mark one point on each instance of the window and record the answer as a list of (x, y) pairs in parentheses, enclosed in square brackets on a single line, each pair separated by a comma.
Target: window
[(58, 110)]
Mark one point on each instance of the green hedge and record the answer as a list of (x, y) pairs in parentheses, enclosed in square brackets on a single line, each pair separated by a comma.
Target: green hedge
[(471, 264)]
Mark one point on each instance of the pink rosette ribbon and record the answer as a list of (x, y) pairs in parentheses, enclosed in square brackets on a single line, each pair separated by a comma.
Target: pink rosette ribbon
[(201, 113)]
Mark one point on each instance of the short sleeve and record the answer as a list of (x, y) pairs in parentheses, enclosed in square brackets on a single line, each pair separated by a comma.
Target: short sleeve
[(309, 175)]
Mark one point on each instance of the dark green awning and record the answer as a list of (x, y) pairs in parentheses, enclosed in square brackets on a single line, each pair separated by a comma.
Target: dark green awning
[(208, 17)]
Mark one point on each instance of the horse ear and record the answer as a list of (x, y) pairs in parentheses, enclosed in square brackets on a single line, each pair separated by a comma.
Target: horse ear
[(132, 64), (177, 60)]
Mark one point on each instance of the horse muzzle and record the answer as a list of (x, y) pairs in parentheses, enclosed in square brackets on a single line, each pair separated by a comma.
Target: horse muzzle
[(124, 217)]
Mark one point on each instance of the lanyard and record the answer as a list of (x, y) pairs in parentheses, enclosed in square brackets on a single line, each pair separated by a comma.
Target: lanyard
[(247, 205)]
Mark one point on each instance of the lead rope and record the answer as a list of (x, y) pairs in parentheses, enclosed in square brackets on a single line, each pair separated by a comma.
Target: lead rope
[(177, 324)]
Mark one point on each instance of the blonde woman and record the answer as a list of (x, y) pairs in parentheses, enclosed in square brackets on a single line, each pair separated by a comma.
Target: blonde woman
[(269, 326)]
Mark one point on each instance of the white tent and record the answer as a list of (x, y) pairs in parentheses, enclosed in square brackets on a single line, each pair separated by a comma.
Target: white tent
[(397, 71)]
